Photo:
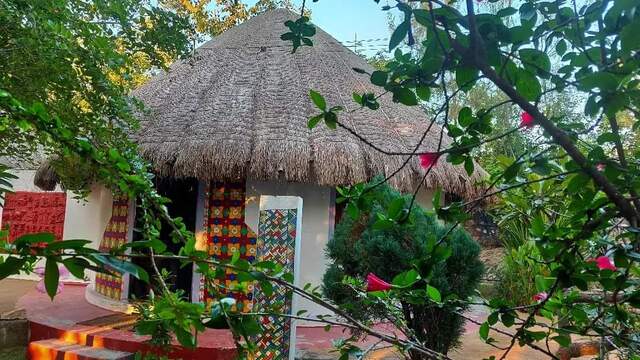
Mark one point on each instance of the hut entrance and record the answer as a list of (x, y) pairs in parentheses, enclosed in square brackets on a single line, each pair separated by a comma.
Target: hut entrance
[(183, 194)]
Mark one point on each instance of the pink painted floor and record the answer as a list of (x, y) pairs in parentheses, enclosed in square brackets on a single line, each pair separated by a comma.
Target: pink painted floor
[(69, 309)]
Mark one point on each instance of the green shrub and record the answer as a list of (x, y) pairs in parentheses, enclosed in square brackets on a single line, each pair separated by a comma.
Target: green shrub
[(517, 273), (358, 248)]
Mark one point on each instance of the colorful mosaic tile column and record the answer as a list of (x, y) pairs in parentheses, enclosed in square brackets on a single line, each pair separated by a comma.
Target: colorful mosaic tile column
[(115, 235), (276, 243), (227, 234)]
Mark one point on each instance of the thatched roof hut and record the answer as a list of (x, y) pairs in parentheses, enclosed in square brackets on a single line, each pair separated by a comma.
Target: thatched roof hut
[(238, 110)]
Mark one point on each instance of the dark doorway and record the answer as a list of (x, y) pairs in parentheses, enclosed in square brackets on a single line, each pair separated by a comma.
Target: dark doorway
[(183, 194)]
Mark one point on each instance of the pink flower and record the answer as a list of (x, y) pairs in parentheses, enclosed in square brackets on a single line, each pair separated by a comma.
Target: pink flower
[(40, 286), (541, 296), (526, 120), (604, 263), (374, 283), (601, 166), (428, 160)]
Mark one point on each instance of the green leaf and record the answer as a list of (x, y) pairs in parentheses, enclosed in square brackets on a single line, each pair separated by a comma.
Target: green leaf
[(67, 244), (122, 266), (266, 287), (484, 331), (423, 92), (379, 78), (466, 77), (352, 210), (51, 277), (399, 34), (434, 294), (537, 226), (602, 80), (629, 39), (28, 239), (11, 266), (527, 12), (465, 116), (395, 208), (543, 283), (536, 60), (508, 11), (235, 257), (76, 266), (185, 337), (405, 96), (562, 340), (561, 47), (314, 121), (318, 100), (468, 165), (528, 85), (512, 171), (607, 137), (406, 278), (331, 120)]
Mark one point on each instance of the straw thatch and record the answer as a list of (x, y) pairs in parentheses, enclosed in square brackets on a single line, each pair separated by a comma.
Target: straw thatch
[(238, 110), (46, 177)]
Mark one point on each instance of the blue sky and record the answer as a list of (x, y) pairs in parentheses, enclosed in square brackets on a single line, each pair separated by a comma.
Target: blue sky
[(344, 19)]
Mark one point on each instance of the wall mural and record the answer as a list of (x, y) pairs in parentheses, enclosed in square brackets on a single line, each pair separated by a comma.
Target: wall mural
[(115, 235), (26, 212)]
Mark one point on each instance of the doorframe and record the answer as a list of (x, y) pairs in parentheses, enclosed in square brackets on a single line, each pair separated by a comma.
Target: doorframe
[(201, 235)]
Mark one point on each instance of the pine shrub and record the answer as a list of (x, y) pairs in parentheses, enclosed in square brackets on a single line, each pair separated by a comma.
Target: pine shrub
[(358, 248)]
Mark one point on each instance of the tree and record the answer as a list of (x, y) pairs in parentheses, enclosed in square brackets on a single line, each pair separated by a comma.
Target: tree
[(213, 18), (360, 247), (595, 59)]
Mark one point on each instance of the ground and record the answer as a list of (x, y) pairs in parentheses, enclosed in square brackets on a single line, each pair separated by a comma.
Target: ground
[(317, 343)]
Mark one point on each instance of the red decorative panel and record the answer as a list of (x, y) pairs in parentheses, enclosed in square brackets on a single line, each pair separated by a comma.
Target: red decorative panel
[(228, 233), (26, 212)]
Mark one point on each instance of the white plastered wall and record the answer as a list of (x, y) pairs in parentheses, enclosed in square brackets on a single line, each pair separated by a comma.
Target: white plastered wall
[(425, 198), (84, 219)]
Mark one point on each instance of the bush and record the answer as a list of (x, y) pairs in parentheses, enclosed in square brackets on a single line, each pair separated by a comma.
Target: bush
[(359, 247), (517, 273)]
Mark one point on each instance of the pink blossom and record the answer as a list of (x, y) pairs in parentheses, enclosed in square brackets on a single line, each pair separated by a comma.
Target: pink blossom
[(526, 120), (40, 286), (374, 283), (604, 263), (541, 296), (601, 166), (428, 160)]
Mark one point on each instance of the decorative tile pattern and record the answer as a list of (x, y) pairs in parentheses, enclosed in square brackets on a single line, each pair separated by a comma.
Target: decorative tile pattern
[(115, 235), (26, 212), (227, 234), (276, 243)]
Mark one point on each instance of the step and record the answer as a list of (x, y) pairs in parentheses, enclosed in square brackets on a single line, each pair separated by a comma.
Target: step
[(55, 349)]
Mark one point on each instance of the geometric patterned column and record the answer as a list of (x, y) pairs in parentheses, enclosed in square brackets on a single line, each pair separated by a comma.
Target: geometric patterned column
[(277, 233), (227, 233), (115, 235)]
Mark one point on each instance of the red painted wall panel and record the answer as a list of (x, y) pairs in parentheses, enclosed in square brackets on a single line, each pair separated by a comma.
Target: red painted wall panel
[(27, 212)]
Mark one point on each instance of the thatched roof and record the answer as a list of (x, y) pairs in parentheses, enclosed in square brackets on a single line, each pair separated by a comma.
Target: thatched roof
[(239, 109)]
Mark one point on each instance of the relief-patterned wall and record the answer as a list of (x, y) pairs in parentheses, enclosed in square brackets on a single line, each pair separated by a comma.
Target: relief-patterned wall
[(27, 212)]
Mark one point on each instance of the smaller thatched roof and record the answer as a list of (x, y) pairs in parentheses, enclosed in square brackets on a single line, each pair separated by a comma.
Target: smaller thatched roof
[(46, 177), (239, 109)]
